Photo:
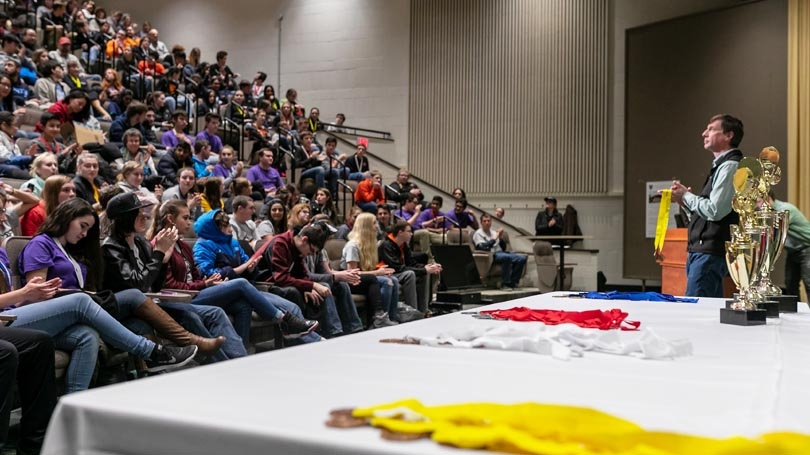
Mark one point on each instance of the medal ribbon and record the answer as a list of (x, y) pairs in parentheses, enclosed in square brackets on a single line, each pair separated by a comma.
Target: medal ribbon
[(663, 220)]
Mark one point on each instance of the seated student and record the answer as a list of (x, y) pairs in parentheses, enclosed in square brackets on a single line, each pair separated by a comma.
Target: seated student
[(242, 225), (185, 191), (410, 210), (75, 80), (499, 213), (236, 296), (131, 181), (289, 273), (177, 133), (276, 222), (265, 174), (357, 164), (51, 88), (26, 359), (12, 162), (369, 193), (333, 160), (57, 189), (173, 161), (141, 154), (308, 158), (212, 121), (87, 182), (132, 263), (202, 151), (44, 166), (240, 186), (300, 215), (512, 265), (549, 221), (348, 223), (461, 217), (403, 188), (211, 197), (228, 168), (323, 204), (360, 253), (395, 252), (236, 110), (384, 221), (46, 142), (458, 193), (341, 284), (433, 221), (132, 118)]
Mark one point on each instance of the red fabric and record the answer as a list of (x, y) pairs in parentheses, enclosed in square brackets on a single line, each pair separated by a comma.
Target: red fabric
[(367, 192), (32, 219), (362, 141), (590, 319)]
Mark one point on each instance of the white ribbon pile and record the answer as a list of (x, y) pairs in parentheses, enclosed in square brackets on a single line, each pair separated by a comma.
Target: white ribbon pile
[(562, 341)]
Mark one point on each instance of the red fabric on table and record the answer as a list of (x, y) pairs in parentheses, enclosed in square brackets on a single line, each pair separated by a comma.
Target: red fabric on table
[(589, 319)]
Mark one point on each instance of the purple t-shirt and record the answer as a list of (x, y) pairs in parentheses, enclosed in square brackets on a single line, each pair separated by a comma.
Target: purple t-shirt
[(269, 178), (221, 171), (426, 216), (214, 140), (43, 253), (169, 139), (464, 219)]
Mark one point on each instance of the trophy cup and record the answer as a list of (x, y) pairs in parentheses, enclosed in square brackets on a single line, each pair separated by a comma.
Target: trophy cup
[(777, 224), (745, 250)]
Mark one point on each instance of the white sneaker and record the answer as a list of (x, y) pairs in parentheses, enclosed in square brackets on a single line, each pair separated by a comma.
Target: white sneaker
[(381, 320)]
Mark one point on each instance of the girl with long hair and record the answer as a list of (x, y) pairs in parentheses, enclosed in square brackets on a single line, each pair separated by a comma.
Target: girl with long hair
[(57, 189), (323, 204), (299, 216), (237, 296), (276, 222), (211, 194), (360, 252)]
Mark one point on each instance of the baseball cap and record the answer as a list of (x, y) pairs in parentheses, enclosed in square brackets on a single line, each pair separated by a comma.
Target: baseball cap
[(64, 40), (550, 199), (125, 203)]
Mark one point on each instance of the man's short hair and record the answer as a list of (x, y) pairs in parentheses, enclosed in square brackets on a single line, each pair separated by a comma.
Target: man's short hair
[(262, 76), (211, 116), (438, 199), (135, 108), (131, 132), (462, 201), (331, 140), (411, 198), (200, 144), (242, 201), (185, 146), (316, 234), (303, 134), (485, 215), (732, 124), (179, 113), (221, 55), (398, 227)]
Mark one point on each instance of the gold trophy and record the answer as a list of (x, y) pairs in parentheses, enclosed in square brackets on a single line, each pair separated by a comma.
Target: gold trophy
[(745, 250), (776, 222)]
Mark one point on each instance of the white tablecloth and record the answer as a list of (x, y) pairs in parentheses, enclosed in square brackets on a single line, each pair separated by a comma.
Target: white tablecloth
[(740, 380)]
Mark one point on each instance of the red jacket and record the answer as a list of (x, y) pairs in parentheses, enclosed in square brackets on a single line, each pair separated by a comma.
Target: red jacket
[(175, 270), (288, 264), (366, 192)]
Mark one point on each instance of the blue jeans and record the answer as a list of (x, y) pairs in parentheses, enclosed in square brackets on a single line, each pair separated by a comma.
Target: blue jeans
[(347, 310), (209, 322), (389, 291), (318, 173), (368, 207), (704, 275), (59, 316), (356, 176), (240, 299), (511, 267)]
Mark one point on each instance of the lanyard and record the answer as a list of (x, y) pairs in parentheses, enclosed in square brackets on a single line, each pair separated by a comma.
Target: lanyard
[(76, 268)]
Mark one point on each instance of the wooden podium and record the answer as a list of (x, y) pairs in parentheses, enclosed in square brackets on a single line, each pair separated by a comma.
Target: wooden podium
[(673, 263)]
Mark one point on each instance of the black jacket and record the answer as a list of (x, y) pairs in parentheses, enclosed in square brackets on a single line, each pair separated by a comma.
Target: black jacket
[(542, 220), (84, 189), (122, 270), (399, 260), (710, 236), (167, 166)]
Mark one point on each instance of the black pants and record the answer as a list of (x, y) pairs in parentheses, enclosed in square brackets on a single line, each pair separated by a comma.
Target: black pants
[(27, 357)]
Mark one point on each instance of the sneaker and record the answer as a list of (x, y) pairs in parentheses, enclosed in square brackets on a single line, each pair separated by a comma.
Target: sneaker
[(408, 314), (293, 326), (169, 357), (381, 319)]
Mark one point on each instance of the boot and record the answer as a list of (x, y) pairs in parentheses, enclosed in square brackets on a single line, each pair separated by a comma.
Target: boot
[(168, 328)]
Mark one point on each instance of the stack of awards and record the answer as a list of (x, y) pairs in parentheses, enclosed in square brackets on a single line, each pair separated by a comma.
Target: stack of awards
[(756, 243)]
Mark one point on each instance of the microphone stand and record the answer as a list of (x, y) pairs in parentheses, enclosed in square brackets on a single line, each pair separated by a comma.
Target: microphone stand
[(292, 162), (235, 125), (458, 225)]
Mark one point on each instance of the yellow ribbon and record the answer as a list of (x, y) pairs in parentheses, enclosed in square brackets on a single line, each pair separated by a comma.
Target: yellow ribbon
[(663, 220), (533, 428)]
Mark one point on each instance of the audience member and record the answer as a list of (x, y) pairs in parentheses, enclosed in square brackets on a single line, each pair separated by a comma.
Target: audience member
[(264, 174), (395, 252), (369, 192), (549, 221), (512, 265), (174, 160)]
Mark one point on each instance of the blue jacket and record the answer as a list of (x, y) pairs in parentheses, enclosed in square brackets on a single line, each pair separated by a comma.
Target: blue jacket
[(216, 251), (200, 167)]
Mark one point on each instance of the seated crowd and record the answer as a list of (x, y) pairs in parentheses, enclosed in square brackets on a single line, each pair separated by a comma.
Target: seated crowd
[(115, 225)]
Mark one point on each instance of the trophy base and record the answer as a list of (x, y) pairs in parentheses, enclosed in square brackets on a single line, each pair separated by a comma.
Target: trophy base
[(771, 308), (787, 303), (742, 317)]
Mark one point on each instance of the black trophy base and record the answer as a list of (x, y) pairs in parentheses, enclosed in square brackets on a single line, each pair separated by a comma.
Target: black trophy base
[(770, 307), (787, 303), (742, 317)]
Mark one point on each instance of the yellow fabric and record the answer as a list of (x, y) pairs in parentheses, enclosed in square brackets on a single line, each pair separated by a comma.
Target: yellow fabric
[(204, 205), (533, 428), (663, 220)]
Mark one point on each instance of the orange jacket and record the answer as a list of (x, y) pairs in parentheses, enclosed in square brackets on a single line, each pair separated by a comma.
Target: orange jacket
[(366, 192)]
